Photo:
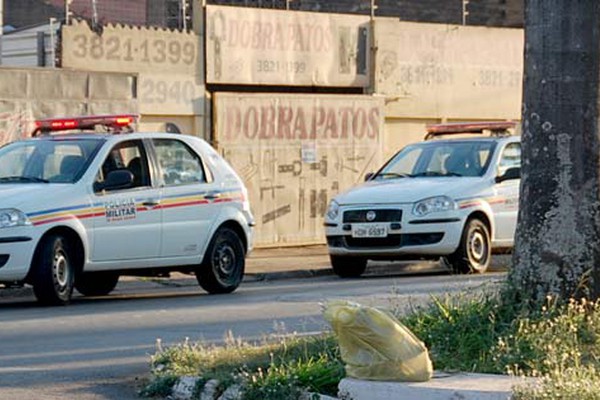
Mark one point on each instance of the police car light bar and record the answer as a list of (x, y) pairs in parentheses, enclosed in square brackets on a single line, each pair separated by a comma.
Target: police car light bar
[(501, 127), (115, 123)]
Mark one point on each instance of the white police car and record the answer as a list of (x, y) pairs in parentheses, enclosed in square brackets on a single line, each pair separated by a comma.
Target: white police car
[(77, 210), (453, 198)]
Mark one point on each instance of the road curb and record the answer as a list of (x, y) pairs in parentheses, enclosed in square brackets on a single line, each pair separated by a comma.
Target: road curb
[(281, 275)]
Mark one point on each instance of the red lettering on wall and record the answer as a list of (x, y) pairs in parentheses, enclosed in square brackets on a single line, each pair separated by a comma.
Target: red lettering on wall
[(359, 123), (262, 119), (373, 123), (267, 122), (251, 123), (300, 124), (331, 128), (318, 120), (233, 122), (345, 113), (284, 123)]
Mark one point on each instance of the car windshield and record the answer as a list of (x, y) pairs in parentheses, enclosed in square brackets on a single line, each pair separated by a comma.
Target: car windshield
[(439, 159), (47, 161)]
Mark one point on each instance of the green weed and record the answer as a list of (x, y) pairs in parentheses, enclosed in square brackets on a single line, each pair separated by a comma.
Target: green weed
[(480, 333)]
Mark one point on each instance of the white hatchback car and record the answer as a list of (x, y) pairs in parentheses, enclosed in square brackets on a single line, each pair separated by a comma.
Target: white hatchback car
[(453, 198), (77, 210)]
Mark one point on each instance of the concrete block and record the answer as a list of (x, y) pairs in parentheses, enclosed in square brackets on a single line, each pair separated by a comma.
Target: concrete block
[(184, 388), (461, 386)]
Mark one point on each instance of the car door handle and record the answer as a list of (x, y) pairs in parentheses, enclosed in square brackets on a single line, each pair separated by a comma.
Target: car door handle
[(150, 203), (212, 196)]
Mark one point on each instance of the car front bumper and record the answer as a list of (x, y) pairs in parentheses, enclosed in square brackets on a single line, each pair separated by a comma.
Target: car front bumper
[(429, 236), (16, 252)]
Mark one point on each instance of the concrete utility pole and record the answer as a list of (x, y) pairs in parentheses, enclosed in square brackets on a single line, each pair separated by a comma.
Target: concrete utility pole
[(1, 27), (557, 242)]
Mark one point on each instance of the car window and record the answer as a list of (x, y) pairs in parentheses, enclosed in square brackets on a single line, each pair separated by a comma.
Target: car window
[(131, 156), (54, 161), (179, 165), (511, 158)]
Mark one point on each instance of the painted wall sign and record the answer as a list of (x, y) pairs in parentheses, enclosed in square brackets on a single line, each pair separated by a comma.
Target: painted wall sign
[(169, 63), (294, 152), (448, 71), (274, 47)]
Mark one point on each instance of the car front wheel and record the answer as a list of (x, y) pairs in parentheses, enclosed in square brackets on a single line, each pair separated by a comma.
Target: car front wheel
[(53, 271), (223, 267), (96, 283), (348, 267), (474, 251)]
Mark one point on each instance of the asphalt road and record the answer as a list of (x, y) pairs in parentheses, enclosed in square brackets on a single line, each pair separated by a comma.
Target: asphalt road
[(99, 348)]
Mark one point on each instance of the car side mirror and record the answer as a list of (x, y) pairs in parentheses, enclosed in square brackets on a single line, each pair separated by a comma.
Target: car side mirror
[(118, 179), (369, 175), (509, 174)]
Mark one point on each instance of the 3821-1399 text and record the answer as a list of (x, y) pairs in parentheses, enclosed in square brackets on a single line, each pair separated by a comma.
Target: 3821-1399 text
[(115, 48)]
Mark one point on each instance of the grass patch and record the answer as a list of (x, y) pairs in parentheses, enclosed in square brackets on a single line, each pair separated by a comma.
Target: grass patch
[(460, 331), (477, 333), (572, 384), (271, 370)]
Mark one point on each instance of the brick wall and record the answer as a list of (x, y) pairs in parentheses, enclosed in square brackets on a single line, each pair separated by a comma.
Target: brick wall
[(20, 13), (122, 11), (481, 12), (154, 12)]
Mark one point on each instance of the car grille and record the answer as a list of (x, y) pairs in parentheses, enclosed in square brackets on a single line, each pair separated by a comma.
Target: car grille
[(399, 240), (381, 215), (389, 241)]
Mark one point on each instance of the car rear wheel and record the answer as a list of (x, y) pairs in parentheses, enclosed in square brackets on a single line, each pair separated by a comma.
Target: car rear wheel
[(223, 267), (348, 267), (53, 271), (96, 283), (475, 251)]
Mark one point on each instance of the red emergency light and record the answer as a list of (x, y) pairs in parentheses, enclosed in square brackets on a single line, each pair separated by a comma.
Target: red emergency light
[(496, 127), (113, 123)]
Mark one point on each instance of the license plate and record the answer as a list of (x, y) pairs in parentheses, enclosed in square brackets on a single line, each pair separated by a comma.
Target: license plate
[(369, 230)]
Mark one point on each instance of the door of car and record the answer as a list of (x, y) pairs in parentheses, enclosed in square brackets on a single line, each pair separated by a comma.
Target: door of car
[(130, 228), (189, 198), (506, 207)]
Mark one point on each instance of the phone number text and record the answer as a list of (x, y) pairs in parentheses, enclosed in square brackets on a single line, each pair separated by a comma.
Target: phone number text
[(114, 48)]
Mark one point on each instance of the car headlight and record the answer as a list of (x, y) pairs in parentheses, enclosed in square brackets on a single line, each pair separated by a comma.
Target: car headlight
[(434, 204), (11, 217), (333, 211)]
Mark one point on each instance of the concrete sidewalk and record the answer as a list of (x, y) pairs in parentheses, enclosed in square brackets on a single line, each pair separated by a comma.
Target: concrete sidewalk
[(312, 261), (288, 262)]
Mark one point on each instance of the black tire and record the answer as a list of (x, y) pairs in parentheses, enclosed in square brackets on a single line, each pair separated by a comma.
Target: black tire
[(96, 283), (474, 251), (348, 267), (53, 271), (223, 267)]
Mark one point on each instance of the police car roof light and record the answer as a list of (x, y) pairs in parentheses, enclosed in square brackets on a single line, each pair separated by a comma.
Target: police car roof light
[(115, 123), (497, 128)]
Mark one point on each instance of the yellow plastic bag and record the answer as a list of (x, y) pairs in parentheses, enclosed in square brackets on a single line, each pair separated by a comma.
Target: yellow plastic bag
[(376, 346)]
